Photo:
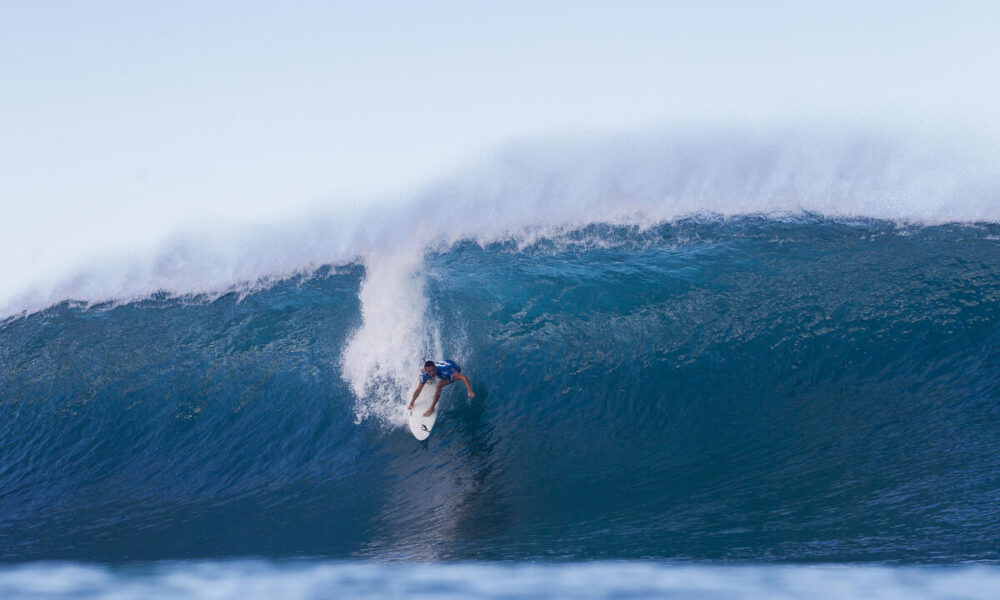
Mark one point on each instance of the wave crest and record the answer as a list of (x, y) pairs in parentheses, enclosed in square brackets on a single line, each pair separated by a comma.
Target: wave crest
[(532, 190)]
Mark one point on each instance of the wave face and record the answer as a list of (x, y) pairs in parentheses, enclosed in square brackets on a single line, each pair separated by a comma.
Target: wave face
[(750, 388)]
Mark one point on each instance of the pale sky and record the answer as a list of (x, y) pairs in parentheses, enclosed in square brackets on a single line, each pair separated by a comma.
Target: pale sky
[(121, 122)]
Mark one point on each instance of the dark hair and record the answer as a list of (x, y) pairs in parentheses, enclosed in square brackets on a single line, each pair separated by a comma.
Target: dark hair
[(429, 363)]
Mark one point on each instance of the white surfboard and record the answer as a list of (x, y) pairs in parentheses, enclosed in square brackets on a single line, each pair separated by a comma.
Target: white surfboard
[(420, 425)]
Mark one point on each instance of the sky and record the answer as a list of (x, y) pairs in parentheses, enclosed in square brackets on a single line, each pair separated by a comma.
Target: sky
[(123, 122)]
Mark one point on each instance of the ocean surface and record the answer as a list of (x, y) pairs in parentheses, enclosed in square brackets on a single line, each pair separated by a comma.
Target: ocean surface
[(772, 404)]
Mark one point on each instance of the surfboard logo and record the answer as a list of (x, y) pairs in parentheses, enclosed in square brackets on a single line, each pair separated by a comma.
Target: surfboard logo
[(424, 427)]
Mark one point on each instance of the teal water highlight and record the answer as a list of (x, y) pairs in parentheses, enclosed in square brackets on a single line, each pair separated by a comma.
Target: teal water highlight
[(750, 389)]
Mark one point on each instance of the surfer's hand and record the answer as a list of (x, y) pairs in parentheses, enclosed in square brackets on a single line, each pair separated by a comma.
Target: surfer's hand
[(472, 394), (410, 407), (429, 412)]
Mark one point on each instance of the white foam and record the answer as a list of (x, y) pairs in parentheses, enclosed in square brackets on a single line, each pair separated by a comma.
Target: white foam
[(382, 360), (248, 580)]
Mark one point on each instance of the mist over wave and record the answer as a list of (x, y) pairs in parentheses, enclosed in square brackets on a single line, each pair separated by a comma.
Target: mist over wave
[(536, 189)]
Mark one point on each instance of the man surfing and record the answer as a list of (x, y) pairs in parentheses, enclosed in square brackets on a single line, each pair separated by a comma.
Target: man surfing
[(446, 373)]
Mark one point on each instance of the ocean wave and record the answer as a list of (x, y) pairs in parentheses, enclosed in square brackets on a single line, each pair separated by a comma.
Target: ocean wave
[(748, 388)]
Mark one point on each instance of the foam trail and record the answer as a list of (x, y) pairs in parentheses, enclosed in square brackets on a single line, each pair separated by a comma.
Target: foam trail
[(382, 358)]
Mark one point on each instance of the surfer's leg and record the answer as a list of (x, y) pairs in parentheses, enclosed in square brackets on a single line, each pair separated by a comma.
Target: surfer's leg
[(468, 386), (437, 395)]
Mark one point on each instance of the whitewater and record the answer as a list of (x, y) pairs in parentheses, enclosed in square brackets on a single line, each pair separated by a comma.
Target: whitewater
[(702, 355)]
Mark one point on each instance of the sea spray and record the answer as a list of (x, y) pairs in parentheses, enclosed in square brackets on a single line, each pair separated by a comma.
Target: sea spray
[(539, 189), (383, 357)]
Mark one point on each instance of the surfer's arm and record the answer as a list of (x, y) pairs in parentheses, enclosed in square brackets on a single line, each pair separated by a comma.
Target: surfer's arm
[(416, 393), (468, 386)]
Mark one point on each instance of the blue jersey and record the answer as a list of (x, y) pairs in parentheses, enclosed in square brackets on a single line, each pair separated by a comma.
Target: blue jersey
[(445, 370)]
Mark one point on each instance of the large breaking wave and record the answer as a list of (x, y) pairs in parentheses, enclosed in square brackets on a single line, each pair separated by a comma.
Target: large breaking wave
[(746, 388), (700, 345)]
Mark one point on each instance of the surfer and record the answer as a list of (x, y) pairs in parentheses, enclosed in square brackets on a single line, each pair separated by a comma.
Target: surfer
[(446, 373)]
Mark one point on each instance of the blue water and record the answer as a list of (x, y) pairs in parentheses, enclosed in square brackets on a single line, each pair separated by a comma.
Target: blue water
[(704, 392)]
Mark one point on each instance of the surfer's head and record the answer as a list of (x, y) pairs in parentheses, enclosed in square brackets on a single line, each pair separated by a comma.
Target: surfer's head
[(430, 368)]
